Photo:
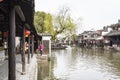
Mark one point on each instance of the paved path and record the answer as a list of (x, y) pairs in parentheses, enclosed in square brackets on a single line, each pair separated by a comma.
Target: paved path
[(31, 69), (2, 55)]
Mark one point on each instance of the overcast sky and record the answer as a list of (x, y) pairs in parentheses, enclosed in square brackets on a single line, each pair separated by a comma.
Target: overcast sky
[(94, 13)]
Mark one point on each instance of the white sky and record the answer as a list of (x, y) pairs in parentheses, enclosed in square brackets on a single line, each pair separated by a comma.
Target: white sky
[(94, 13)]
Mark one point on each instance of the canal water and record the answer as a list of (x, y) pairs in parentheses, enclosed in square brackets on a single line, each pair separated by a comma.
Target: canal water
[(81, 64)]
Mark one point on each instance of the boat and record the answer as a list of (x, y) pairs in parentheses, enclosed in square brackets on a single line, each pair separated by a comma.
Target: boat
[(58, 46)]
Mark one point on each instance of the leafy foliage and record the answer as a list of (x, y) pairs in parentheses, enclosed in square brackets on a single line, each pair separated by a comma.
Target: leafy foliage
[(63, 23), (43, 22)]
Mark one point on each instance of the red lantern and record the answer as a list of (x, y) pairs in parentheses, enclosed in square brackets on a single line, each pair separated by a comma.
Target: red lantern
[(27, 32), (1, 0)]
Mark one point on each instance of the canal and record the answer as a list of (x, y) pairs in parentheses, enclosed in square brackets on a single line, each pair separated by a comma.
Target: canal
[(81, 64)]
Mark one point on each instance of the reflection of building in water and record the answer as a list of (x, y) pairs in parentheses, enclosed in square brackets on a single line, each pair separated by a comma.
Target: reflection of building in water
[(43, 71)]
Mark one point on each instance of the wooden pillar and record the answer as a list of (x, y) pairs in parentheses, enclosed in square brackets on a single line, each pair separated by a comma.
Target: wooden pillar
[(32, 46), (11, 44), (6, 48), (21, 48), (23, 52), (28, 49)]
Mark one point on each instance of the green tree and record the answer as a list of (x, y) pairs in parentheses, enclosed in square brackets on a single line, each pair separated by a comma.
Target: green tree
[(43, 22), (39, 21), (63, 23), (48, 25)]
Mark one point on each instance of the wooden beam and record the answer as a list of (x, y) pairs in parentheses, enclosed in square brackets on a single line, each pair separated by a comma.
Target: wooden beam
[(20, 13)]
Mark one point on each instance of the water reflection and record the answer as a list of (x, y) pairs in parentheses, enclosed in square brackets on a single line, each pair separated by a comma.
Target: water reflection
[(43, 71), (83, 64)]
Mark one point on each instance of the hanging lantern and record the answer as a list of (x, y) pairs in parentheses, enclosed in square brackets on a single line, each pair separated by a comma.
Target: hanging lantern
[(27, 33), (1, 0)]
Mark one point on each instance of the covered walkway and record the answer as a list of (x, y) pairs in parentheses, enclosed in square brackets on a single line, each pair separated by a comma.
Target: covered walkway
[(31, 69)]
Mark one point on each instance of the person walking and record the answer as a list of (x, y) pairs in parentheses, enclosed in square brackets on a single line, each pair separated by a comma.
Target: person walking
[(26, 47), (41, 49)]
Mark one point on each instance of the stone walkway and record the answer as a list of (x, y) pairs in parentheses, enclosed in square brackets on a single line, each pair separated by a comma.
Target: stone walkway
[(31, 69)]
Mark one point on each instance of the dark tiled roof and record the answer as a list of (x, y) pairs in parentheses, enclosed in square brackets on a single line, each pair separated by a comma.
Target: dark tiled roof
[(24, 15), (113, 33)]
